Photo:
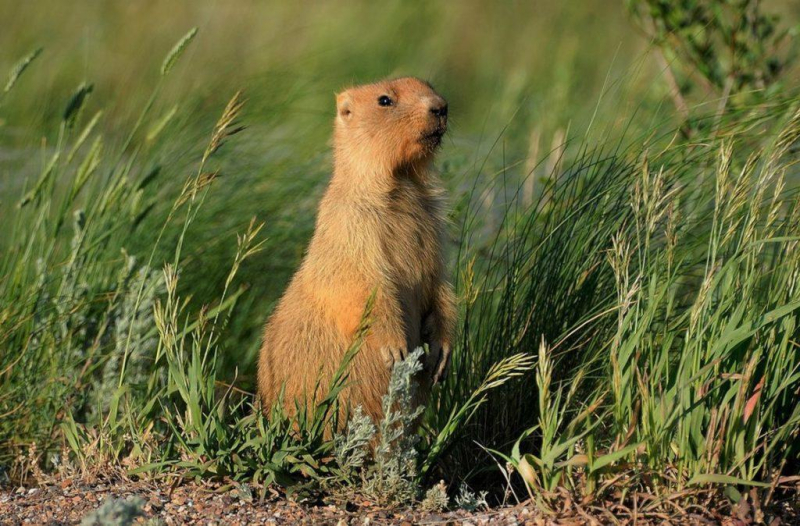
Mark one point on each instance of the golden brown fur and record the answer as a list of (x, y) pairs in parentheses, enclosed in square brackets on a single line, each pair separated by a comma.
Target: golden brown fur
[(379, 228)]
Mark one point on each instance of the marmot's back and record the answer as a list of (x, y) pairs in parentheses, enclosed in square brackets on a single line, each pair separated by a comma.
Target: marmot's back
[(379, 229)]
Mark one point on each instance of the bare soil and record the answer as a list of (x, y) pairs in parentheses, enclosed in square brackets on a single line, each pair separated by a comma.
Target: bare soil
[(69, 500)]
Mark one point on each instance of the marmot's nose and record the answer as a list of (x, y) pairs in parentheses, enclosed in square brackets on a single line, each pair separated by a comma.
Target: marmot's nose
[(439, 108)]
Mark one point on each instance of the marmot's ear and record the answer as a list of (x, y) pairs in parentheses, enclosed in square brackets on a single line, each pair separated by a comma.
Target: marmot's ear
[(344, 106)]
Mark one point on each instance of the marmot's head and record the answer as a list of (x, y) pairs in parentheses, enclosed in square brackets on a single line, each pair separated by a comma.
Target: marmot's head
[(392, 123)]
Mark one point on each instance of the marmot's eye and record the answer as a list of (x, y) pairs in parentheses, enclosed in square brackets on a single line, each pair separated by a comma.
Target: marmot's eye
[(384, 100)]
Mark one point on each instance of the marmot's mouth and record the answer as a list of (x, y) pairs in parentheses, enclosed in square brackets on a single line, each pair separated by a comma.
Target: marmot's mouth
[(434, 138)]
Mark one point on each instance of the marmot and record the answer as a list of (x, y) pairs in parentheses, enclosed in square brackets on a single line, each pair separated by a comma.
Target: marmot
[(379, 230)]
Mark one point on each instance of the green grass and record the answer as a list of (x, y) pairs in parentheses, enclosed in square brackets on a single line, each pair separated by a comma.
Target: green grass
[(627, 289)]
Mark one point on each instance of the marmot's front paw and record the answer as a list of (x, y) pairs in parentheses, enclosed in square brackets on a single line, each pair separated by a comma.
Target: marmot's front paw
[(437, 361), (393, 355)]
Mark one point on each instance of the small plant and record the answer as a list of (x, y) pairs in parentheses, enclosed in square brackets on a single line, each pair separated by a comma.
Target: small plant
[(136, 307), (436, 498), (115, 512), (391, 479), (380, 462), (353, 447), (469, 501)]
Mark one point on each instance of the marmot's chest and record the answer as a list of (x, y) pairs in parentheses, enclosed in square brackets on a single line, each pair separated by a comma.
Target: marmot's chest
[(411, 241)]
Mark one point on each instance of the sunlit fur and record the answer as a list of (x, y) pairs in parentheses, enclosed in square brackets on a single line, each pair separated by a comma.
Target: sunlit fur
[(379, 228)]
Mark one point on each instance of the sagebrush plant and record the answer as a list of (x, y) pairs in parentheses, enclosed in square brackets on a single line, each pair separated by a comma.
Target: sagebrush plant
[(134, 308), (393, 476), (383, 458)]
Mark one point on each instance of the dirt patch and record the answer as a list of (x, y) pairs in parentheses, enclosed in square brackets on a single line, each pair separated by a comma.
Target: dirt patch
[(68, 501)]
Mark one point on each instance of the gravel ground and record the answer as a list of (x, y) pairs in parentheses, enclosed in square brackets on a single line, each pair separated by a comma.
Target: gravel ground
[(68, 501)]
